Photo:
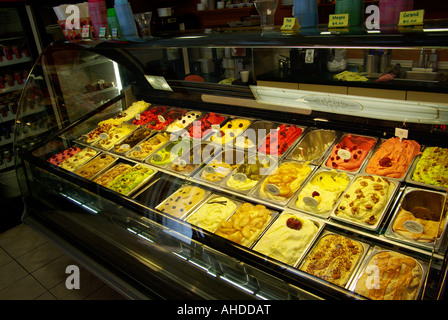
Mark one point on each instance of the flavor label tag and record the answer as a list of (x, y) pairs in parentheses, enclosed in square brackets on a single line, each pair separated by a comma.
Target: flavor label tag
[(338, 20), (181, 163), (161, 118), (413, 226), (103, 136), (157, 157), (137, 117), (310, 201), (410, 18), (138, 149), (344, 154), (290, 24), (209, 169), (216, 127), (125, 146), (309, 56), (273, 189), (401, 133), (240, 177)]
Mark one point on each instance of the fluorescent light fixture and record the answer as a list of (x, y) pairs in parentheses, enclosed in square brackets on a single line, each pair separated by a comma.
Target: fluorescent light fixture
[(237, 284), (305, 102), (435, 30), (117, 76), (158, 83), (190, 37)]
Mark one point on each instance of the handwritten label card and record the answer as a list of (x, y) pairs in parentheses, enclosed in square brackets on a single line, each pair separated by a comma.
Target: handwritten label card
[(338, 20), (290, 24), (411, 18)]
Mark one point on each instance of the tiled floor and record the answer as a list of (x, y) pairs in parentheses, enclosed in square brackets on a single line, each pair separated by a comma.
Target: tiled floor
[(32, 268)]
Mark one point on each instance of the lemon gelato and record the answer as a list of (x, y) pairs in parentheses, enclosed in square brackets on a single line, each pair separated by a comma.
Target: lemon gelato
[(287, 238), (321, 193)]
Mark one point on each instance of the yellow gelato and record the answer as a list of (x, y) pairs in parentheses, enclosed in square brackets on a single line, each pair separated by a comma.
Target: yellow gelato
[(321, 193), (286, 180), (126, 115), (145, 148), (77, 160), (212, 213), (246, 224), (114, 136), (230, 130), (91, 168), (365, 199), (287, 238)]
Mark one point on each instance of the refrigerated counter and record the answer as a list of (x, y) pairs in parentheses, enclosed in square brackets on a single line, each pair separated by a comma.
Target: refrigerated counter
[(168, 177)]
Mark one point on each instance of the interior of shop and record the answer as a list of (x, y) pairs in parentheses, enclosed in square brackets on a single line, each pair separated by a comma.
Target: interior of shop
[(324, 123)]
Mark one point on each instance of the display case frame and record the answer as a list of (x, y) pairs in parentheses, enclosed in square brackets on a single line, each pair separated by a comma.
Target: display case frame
[(147, 254)]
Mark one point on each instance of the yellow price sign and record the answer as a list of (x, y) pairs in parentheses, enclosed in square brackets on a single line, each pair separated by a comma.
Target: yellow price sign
[(411, 18), (290, 24), (338, 20)]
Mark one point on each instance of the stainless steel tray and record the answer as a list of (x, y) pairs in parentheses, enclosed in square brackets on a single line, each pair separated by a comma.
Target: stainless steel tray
[(297, 254), (237, 158), (381, 215), (188, 217), (129, 154), (424, 198), (275, 198), (308, 208), (182, 210), (354, 268), (378, 146), (314, 137), (238, 176), (254, 237), (100, 170), (423, 266), (410, 174), (335, 145)]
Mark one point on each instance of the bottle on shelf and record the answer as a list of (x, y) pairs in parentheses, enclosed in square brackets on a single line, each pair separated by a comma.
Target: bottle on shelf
[(390, 10), (125, 18), (306, 12), (354, 8), (98, 15), (112, 21)]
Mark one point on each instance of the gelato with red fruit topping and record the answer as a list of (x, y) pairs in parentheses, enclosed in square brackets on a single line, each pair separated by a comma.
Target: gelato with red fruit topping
[(350, 152)]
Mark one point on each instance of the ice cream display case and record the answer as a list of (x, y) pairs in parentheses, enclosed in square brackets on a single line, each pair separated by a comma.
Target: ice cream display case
[(168, 188)]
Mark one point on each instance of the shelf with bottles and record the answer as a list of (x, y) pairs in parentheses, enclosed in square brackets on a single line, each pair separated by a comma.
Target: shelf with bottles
[(6, 158), (12, 79), (14, 52)]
